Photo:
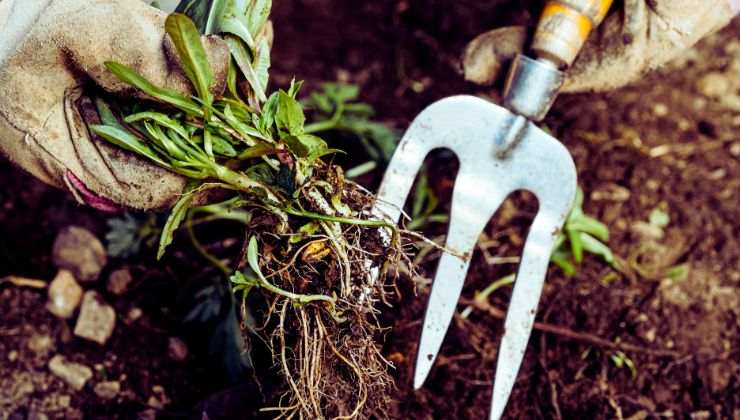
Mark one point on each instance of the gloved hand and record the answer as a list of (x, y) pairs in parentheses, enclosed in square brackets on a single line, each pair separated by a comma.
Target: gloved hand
[(630, 42), (51, 51)]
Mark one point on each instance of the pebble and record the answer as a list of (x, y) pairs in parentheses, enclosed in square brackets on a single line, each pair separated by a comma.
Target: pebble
[(119, 281), (107, 390), (12, 356), (177, 350), (41, 344), (64, 295), (714, 85), (74, 374), (97, 319), (79, 251)]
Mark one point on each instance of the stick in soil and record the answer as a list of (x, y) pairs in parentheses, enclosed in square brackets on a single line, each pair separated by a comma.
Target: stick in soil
[(497, 313)]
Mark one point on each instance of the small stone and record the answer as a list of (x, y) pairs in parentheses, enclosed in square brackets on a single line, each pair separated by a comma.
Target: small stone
[(79, 251), (714, 85), (74, 374), (119, 281), (177, 350), (134, 314), (12, 356), (650, 335), (40, 344), (107, 390), (97, 319), (64, 295), (647, 231), (660, 109)]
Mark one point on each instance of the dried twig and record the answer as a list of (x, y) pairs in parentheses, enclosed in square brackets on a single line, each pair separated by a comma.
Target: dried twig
[(578, 336)]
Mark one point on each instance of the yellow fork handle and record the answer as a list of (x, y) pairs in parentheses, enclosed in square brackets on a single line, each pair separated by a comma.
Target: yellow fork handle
[(564, 27)]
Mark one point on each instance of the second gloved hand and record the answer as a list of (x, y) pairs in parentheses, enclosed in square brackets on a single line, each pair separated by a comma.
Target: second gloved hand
[(631, 42)]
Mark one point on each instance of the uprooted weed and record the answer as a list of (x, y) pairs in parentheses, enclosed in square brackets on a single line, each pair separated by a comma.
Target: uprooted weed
[(323, 264)]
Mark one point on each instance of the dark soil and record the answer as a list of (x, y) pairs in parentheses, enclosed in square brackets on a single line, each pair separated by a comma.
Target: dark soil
[(665, 142)]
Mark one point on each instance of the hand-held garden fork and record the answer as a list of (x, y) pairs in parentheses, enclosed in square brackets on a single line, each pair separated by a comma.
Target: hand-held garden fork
[(500, 151)]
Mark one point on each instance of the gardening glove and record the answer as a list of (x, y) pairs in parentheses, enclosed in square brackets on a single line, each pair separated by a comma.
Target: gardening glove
[(51, 52), (632, 41)]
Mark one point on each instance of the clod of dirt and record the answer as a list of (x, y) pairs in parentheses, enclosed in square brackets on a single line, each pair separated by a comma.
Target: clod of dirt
[(79, 251), (97, 319), (177, 350), (64, 295), (40, 344), (107, 390), (74, 374), (119, 281)]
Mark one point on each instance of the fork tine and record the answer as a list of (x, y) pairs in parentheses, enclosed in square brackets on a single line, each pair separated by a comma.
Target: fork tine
[(472, 207), (523, 305)]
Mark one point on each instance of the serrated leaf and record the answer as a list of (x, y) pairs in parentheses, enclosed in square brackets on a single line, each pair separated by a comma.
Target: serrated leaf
[(179, 211), (244, 60), (170, 96), (192, 54)]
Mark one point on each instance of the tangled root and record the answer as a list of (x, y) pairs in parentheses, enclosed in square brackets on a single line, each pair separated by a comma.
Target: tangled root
[(329, 354)]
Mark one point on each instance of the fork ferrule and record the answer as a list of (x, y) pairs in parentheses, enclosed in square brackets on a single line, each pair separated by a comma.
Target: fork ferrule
[(532, 86)]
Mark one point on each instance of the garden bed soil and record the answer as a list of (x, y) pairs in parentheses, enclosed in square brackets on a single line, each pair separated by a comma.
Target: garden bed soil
[(667, 142)]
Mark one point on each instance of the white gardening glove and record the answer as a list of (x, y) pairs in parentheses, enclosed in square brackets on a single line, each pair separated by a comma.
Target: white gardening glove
[(630, 42), (51, 51)]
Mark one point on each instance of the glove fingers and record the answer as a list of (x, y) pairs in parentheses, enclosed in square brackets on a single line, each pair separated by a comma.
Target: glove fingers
[(132, 34), (486, 58), (657, 33)]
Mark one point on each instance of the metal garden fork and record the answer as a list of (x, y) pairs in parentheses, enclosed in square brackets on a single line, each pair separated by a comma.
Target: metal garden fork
[(500, 151)]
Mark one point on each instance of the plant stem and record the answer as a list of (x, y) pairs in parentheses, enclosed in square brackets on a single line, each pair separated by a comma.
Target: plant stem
[(338, 219), (326, 124)]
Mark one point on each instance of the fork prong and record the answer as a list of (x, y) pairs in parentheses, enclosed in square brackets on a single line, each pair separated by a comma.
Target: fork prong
[(472, 207), (523, 306)]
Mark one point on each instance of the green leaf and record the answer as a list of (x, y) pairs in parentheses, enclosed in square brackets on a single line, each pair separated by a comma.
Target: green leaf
[(192, 54), (124, 139), (222, 147), (594, 246), (257, 15), (267, 119), (253, 257), (306, 145), (172, 97), (161, 119), (244, 61), (262, 64), (204, 13), (289, 115), (576, 245), (106, 114), (175, 219)]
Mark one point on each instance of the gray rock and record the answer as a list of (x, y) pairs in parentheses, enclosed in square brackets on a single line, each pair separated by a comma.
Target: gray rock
[(64, 295), (80, 252), (177, 350), (107, 390), (119, 281), (74, 374), (97, 319)]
